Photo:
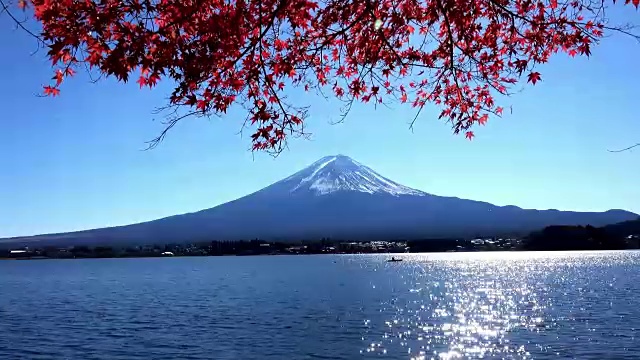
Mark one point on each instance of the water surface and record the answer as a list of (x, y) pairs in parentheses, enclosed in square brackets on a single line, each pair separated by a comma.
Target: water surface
[(514, 305)]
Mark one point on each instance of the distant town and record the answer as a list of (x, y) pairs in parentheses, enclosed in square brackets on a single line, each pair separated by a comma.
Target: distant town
[(258, 247), (613, 237)]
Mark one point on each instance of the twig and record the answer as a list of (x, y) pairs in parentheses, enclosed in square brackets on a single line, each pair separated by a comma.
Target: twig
[(625, 149), (5, 8)]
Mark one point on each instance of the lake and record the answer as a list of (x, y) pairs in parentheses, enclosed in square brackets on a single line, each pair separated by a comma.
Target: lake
[(512, 305)]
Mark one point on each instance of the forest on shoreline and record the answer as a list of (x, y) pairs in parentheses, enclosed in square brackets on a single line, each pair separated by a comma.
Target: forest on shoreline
[(620, 236)]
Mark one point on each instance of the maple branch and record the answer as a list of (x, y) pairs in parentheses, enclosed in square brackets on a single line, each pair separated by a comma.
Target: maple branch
[(382, 36), (342, 31), (277, 150), (218, 57), (624, 30), (19, 23), (170, 123), (625, 149), (256, 41), (344, 112)]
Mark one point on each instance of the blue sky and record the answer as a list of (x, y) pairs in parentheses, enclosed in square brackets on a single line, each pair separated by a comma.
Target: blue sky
[(76, 161)]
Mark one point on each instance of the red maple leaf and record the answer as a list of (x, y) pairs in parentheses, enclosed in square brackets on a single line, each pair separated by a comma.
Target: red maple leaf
[(534, 77), (58, 77), (469, 135), (51, 91)]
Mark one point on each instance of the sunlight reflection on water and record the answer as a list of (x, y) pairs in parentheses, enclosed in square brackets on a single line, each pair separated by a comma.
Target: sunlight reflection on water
[(479, 305), (516, 305)]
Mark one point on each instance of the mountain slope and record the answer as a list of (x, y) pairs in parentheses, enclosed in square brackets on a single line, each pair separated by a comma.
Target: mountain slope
[(340, 198)]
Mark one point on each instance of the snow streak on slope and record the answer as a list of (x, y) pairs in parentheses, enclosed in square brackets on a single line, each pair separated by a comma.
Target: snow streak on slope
[(341, 173)]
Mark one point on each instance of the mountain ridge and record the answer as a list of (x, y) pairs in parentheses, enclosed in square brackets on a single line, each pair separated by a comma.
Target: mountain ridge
[(335, 196)]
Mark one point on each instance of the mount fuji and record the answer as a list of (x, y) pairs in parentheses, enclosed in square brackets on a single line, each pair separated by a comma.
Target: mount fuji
[(335, 197)]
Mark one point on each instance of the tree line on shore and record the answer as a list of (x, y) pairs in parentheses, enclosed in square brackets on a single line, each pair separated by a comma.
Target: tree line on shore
[(620, 236)]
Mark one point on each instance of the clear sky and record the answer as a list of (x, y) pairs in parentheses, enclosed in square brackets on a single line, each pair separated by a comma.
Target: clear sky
[(75, 162)]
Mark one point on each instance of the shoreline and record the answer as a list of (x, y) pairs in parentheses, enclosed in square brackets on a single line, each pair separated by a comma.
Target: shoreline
[(553, 238), (311, 254)]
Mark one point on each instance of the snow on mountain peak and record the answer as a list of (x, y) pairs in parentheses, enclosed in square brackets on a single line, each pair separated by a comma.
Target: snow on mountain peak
[(341, 173)]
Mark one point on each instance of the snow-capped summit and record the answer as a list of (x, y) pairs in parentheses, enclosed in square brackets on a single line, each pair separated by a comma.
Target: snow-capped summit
[(341, 173)]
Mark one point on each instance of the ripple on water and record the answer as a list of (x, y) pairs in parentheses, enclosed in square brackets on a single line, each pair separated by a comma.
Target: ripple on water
[(437, 306)]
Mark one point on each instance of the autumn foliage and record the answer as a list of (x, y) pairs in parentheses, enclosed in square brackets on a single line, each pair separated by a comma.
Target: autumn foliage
[(456, 54)]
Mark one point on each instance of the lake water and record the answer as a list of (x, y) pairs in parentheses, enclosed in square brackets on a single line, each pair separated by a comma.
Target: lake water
[(583, 305)]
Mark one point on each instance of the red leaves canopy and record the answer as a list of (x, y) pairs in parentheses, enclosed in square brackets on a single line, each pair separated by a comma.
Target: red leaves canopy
[(457, 54)]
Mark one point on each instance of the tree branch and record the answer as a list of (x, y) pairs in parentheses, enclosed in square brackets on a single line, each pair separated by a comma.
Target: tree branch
[(625, 149)]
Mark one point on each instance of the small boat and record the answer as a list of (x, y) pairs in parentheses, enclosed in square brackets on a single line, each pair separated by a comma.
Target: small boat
[(393, 259)]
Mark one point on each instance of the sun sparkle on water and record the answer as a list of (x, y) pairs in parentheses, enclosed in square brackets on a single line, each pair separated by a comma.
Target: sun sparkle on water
[(480, 300)]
